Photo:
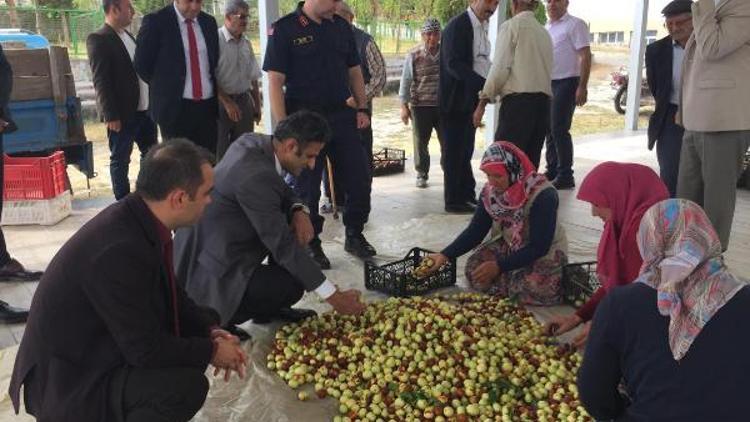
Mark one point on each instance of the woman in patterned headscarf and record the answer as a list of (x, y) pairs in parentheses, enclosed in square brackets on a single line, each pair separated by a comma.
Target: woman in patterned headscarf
[(677, 335), (524, 255)]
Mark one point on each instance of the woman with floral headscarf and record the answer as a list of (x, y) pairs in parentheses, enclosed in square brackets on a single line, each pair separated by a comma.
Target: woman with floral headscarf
[(677, 335), (524, 255), (619, 194)]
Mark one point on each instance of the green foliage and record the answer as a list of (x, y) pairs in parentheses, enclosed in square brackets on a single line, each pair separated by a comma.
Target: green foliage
[(444, 10), (56, 4), (148, 6)]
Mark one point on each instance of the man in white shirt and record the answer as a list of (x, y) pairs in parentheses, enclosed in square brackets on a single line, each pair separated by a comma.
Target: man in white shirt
[(177, 54), (122, 97), (570, 77), (237, 77), (247, 257), (464, 64)]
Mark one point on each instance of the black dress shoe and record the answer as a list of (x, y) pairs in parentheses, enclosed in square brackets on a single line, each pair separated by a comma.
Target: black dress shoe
[(316, 253), (563, 184), (285, 314), (473, 201), (357, 245), (238, 332), (460, 208), (12, 315), (14, 271)]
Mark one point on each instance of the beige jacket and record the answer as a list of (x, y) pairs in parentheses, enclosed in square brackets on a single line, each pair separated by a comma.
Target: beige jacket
[(522, 61), (715, 89)]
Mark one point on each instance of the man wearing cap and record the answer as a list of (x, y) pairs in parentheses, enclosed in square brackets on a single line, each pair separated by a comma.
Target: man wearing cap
[(418, 92), (663, 70), (714, 104), (570, 78)]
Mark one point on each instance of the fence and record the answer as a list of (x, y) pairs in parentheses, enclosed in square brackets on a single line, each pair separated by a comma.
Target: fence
[(70, 27)]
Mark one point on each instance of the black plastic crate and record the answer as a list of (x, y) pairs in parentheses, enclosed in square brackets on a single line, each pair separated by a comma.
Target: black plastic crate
[(388, 161), (579, 282), (396, 278)]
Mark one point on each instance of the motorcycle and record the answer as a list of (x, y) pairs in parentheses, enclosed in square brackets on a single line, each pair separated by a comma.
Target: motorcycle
[(620, 84)]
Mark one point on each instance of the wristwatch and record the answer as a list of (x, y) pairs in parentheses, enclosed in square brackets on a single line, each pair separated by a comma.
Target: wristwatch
[(300, 207)]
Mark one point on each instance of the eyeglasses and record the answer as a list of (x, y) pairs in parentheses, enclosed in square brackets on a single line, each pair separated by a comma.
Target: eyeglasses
[(241, 16)]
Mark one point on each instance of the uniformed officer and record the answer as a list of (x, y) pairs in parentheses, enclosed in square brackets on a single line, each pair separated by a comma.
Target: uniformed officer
[(311, 52)]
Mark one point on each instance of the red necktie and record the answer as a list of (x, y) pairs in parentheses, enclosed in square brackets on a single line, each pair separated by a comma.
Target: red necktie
[(195, 67), (169, 263)]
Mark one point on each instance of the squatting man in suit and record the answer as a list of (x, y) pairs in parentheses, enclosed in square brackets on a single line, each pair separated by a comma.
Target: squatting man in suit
[(663, 71), (255, 216), (111, 336), (177, 54), (121, 95)]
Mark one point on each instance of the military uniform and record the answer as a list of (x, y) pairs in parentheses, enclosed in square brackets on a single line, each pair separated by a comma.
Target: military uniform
[(316, 58)]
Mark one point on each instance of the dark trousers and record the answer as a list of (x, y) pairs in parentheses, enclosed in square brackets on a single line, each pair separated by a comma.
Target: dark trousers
[(228, 130), (156, 395), (668, 149), (423, 120), (196, 122), (524, 120), (138, 129), (367, 140), (270, 288), (457, 149), (559, 142), (350, 168), (4, 255)]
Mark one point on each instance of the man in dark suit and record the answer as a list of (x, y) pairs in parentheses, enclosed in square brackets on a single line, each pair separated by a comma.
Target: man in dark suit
[(10, 269), (120, 94), (177, 58), (256, 216), (111, 336), (464, 64), (663, 71)]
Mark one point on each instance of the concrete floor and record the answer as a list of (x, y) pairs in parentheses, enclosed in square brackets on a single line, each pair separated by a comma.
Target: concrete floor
[(402, 217)]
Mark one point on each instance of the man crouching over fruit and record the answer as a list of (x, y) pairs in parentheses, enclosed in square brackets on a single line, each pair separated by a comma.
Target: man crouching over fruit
[(255, 216), (527, 249)]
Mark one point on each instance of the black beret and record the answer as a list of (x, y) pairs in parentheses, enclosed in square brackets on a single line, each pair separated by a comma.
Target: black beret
[(677, 7)]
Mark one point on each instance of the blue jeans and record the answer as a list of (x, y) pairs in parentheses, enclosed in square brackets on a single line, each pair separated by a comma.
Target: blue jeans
[(138, 129), (559, 142)]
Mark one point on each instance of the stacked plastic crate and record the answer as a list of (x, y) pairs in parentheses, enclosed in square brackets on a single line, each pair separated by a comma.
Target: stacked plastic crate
[(35, 190)]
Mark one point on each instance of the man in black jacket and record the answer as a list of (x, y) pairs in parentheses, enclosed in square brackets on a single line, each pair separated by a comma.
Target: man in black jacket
[(10, 269), (111, 335), (663, 70), (121, 95), (178, 58), (464, 64)]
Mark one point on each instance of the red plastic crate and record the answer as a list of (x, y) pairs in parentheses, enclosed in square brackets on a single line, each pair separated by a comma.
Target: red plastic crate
[(34, 177)]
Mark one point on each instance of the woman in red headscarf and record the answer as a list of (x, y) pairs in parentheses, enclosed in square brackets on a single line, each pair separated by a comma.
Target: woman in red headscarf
[(524, 255), (619, 194)]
